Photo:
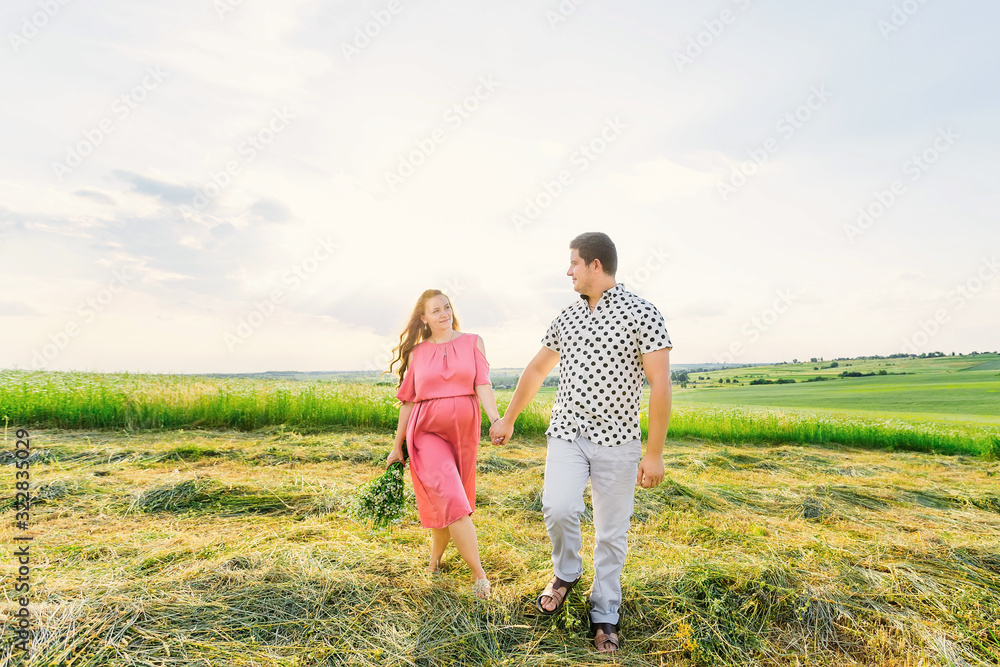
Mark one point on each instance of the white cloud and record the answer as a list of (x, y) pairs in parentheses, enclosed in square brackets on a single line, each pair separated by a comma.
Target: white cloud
[(660, 179), (448, 225)]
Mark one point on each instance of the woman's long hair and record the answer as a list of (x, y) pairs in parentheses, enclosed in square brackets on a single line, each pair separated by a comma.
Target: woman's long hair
[(416, 332)]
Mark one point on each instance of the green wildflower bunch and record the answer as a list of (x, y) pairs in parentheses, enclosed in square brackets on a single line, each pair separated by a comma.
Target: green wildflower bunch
[(381, 501)]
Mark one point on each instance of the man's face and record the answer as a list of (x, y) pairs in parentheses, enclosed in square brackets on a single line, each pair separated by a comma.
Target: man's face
[(580, 272)]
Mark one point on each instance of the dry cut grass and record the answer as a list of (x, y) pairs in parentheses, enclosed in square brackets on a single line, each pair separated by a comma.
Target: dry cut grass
[(232, 548)]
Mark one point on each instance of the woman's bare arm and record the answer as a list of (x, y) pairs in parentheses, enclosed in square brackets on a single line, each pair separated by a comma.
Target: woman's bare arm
[(404, 417), (485, 391)]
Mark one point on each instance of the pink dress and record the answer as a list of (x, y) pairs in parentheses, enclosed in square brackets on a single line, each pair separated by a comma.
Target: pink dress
[(442, 434)]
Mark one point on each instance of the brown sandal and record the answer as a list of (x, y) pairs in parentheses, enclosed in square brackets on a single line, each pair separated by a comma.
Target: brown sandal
[(557, 597), (606, 634)]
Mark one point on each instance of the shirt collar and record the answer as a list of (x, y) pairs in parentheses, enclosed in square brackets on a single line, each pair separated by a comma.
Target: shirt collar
[(609, 295)]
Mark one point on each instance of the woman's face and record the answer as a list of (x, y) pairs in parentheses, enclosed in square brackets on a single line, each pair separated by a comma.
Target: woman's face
[(437, 313)]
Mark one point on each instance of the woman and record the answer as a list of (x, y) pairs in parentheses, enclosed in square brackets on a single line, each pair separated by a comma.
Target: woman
[(443, 376)]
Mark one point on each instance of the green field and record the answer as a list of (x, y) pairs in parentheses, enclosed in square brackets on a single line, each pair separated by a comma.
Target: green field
[(973, 395), (946, 388), (144, 402)]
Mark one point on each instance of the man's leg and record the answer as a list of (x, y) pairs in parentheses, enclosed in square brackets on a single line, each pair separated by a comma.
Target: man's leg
[(612, 481), (566, 473)]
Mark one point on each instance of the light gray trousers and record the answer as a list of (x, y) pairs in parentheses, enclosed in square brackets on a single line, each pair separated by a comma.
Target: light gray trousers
[(612, 471)]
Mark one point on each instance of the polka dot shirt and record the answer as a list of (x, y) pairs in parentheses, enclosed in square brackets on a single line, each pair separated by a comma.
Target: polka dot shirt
[(600, 368)]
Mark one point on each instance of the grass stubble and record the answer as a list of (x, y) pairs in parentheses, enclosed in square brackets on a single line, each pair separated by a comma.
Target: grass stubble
[(230, 547)]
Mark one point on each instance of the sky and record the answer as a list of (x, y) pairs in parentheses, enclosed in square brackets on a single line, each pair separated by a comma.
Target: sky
[(248, 185)]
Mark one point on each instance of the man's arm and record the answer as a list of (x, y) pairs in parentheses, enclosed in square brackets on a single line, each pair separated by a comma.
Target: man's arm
[(656, 366), (531, 381), (527, 386)]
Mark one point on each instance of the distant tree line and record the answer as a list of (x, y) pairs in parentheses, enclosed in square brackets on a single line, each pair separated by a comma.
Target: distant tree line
[(856, 374)]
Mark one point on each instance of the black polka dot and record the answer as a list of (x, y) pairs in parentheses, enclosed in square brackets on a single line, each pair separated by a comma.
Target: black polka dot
[(630, 325)]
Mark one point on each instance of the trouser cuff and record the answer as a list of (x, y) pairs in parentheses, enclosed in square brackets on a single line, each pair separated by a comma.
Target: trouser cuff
[(604, 618), (562, 575)]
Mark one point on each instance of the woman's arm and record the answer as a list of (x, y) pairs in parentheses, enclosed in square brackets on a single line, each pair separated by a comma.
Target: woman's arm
[(404, 418), (488, 401), (397, 450), (485, 391)]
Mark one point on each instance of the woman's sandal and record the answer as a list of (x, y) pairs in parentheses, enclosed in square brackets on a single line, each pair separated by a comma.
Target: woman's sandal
[(481, 589), (606, 637), (552, 592), (437, 567)]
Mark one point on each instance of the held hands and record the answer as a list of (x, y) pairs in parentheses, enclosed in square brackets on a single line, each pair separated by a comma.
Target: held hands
[(650, 472), (501, 431)]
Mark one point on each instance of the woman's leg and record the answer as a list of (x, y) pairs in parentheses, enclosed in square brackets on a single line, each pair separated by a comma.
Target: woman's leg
[(463, 534), (439, 540)]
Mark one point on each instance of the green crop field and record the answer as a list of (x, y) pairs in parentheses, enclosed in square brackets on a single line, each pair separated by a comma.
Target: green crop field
[(946, 388), (142, 402), (973, 395)]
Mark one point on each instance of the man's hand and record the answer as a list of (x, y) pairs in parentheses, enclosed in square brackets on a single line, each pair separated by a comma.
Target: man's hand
[(650, 472), (501, 431)]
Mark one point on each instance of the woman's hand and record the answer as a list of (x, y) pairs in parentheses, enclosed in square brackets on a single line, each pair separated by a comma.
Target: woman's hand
[(395, 455), (501, 431)]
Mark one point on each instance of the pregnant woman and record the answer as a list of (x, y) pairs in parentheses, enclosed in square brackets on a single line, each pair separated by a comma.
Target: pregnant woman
[(443, 376)]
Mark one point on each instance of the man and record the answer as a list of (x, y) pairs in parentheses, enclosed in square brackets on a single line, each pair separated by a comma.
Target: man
[(604, 343)]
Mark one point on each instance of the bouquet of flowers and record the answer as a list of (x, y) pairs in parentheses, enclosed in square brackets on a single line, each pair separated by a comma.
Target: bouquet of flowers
[(381, 500)]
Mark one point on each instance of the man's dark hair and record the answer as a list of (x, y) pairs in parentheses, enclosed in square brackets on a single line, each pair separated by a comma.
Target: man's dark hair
[(596, 245)]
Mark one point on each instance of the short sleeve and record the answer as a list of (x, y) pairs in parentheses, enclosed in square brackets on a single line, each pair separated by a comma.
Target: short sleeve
[(551, 338), (406, 389), (482, 367), (652, 330)]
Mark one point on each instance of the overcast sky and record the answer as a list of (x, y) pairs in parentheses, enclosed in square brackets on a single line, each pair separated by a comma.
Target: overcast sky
[(251, 185)]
